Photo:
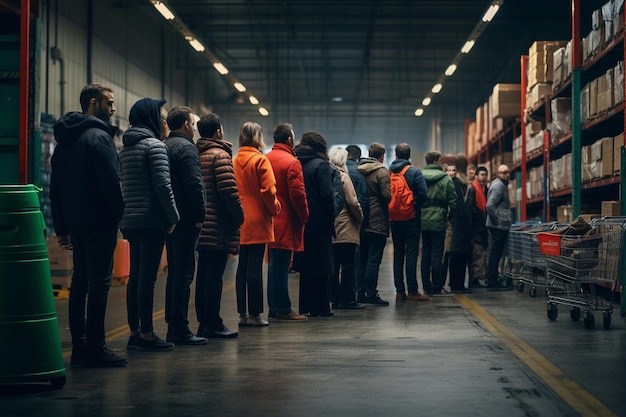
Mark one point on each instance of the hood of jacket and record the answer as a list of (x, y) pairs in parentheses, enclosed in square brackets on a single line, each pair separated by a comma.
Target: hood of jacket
[(397, 165), (135, 134), (306, 154), (69, 127), (369, 165), (147, 113), (203, 144), (432, 174), (245, 155)]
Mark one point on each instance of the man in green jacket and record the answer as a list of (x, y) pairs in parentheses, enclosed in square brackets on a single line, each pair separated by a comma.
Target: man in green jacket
[(440, 207)]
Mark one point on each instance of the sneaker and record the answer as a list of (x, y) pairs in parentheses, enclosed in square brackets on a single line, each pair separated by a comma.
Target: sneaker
[(254, 321), (352, 305), (154, 344), (291, 317), (133, 343), (377, 301), (104, 358), (400, 297), (417, 297)]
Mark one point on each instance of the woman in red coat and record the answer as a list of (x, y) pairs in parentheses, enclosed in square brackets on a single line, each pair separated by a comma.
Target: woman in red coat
[(257, 190)]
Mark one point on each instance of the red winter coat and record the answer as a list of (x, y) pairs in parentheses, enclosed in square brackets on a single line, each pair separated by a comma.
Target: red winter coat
[(289, 223)]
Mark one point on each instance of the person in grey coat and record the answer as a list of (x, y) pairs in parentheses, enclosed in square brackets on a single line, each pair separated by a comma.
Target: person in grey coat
[(149, 214), (498, 224)]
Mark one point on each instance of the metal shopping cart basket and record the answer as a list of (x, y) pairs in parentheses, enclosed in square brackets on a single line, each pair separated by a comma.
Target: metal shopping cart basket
[(512, 259), (576, 264)]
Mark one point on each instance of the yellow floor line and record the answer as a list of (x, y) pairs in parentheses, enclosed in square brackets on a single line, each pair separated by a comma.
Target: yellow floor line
[(575, 395), (122, 330)]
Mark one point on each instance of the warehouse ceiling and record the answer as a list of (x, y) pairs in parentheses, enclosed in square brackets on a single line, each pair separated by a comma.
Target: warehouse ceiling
[(370, 57)]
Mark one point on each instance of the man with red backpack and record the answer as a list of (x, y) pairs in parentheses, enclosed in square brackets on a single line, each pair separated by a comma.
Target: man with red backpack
[(408, 194)]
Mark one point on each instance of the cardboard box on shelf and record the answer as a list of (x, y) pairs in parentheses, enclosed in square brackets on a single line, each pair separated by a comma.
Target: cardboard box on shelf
[(584, 103), (610, 95), (505, 100), (618, 142), (558, 67), (588, 217), (610, 208), (593, 98), (536, 93), (61, 265), (541, 61), (564, 214)]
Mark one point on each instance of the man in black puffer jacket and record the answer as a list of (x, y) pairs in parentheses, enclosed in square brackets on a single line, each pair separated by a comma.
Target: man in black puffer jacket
[(87, 205), (149, 214)]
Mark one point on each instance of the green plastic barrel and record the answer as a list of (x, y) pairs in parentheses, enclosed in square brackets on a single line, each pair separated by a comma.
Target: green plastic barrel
[(30, 343)]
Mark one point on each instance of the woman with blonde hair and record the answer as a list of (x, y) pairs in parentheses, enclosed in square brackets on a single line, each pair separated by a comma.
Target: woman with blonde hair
[(346, 241), (257, 191)]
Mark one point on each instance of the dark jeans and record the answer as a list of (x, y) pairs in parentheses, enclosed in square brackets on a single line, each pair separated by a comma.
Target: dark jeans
[(146, 248), (458, 266), (91, 280), (181, 266), (498, 239), (370, 257), (209, 283), (249, 281), (406, 242), (433, 278), (278, 281), (314, 298), (342, 290)]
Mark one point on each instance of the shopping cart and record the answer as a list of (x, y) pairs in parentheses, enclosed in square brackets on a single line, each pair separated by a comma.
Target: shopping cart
[(512, 259), (577, 264)]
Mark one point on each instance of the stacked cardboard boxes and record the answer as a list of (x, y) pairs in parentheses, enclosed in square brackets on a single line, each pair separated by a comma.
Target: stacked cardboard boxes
[(598, 160), (541, 62), (603, 93), (561, 173), (561, 112)]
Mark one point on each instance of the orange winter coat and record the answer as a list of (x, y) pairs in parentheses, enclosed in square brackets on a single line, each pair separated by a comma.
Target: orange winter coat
[(257, 190)]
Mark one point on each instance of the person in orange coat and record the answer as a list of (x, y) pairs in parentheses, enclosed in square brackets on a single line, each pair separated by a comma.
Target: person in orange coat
[(257, 191)]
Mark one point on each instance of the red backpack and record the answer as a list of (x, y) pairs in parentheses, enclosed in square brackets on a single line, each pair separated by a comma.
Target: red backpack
[(401, 206)]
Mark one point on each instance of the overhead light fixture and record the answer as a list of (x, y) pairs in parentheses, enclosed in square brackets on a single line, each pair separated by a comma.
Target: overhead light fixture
[(467, 47), (196, 44), (437, 88), (491, 12), (253, 100), (450, 70), (426, 101), (337, 99), (162, 8), (239, 87), (263, 111), (419, 112), (219, 67)]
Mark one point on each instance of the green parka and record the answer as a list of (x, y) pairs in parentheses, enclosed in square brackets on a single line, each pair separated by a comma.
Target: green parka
[(441, 204)]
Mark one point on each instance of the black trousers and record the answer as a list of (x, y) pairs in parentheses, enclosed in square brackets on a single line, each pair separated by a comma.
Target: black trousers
[(209, 284), (249, 279), (342, 284), (498, 239)]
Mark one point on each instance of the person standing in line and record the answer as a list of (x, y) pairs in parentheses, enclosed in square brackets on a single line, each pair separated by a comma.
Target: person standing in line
[(447, 245), (219, 235), (85, 185), (315, 263), (405, 234), (471, 173), (346, 241), (181, 244), (374, 237), (257, 190), (460, 247), (476, 204), (439, 208), (288, 224), (150, 214), (498, 223)]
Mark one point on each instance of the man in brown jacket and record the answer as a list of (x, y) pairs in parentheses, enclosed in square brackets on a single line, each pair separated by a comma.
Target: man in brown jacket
[(374, 237), (219, 236)]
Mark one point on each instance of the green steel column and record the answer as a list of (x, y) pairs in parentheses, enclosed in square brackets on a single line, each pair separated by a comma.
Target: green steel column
[(576, 143)]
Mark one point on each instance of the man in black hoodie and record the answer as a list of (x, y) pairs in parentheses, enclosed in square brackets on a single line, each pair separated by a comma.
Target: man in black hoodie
[(87, 205)]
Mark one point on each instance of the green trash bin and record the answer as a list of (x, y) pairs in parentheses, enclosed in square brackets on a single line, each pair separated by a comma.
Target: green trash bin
[(30, 343)]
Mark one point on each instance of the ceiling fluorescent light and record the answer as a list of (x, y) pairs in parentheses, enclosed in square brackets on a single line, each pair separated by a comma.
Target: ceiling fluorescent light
[(419, 112), (426, 101), (491, 12), (263, 111), (253, 100), (467, 47), (195, 44), (219, 67), (162, 8), (437, 88), (450, 70), (239, 87)]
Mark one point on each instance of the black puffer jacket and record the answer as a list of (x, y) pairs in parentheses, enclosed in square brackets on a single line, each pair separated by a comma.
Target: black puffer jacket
[(85, 188), (146, 182), (186, 178)]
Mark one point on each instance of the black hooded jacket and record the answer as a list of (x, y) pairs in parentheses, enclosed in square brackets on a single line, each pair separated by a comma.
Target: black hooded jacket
[(146, 171), (85, 189)]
